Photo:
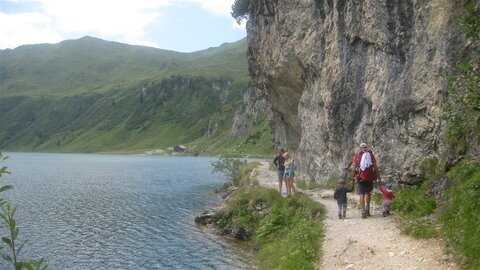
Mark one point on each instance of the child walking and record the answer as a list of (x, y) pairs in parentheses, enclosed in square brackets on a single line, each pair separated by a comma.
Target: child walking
[(388, 195), (341, 196)]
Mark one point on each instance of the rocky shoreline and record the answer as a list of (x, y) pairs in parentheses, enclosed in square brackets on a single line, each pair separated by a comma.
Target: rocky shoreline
[(216, 220)]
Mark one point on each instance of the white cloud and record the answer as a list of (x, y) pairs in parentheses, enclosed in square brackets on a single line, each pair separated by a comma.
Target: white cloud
[(123, 21), (241, 26), (26, 28), (118, 20), (219, 7)]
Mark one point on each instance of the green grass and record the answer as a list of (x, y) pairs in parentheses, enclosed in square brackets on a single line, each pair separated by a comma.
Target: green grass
[(289, 236), (414, 205), (459, 222), (90, 95), (413, 202), (461, 218), (308, 185)]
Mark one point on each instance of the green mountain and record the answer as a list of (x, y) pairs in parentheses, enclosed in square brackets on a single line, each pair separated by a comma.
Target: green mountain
[(91, 95)]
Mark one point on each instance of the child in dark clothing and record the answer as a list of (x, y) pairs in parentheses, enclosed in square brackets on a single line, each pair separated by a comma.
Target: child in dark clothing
[(341, 196)]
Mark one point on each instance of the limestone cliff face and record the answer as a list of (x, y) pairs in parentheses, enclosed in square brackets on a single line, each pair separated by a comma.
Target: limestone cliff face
[(339, 72), (254, 107)]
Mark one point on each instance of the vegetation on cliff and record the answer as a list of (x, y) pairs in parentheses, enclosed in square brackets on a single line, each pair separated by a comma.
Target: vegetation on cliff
[(459, 182)]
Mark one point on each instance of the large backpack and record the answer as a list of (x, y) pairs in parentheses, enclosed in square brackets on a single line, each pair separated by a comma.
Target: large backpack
[(368, 174)]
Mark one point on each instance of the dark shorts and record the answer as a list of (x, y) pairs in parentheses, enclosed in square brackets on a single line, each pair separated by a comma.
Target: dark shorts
[(365, 187), (280, 174)]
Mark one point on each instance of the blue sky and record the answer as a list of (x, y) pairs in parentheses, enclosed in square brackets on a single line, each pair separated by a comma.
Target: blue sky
[(179, 25)]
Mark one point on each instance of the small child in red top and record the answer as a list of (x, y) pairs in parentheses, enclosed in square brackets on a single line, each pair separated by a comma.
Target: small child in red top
[(387, 195)]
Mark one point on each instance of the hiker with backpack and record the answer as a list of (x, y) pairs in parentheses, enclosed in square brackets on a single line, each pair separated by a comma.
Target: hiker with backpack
[(365, 171)]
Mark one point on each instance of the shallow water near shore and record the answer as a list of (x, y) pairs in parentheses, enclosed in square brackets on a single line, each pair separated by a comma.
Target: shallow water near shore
[(86, 211)]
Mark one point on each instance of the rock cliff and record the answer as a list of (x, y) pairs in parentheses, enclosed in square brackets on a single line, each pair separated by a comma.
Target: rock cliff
[(337, 72)]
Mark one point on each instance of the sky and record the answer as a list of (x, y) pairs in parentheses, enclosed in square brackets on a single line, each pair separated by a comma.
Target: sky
[(179, 25)]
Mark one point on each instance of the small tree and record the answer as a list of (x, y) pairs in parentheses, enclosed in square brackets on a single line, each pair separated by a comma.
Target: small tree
[(230, 167), (240, 10), (7, 215)]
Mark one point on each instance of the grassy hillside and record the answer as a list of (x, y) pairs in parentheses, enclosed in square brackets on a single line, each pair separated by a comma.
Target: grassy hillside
[(90, 95)]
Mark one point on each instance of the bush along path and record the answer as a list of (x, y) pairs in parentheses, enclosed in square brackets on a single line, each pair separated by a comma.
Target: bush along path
[(372, 243)]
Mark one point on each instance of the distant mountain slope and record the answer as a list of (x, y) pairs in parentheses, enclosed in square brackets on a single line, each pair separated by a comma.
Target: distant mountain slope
[(90, 95), (90, 64)]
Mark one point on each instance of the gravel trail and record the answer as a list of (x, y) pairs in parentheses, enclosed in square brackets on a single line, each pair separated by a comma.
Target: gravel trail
[(372, 243)]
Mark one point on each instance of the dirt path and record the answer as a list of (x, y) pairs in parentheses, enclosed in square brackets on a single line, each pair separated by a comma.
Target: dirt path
[(372, 243)]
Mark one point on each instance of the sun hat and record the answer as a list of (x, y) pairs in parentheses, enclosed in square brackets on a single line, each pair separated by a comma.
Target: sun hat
[(363, 145), (340, 181)]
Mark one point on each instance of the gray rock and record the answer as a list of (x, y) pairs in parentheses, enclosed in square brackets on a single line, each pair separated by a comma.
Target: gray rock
[(336, 73)]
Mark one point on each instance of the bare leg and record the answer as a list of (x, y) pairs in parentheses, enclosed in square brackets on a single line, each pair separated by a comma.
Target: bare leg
[(362, 206), (292, 184), (362, 202), (367, 203), (289, 188)]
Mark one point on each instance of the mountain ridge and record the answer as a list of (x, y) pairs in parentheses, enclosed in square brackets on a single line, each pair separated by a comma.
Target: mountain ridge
[(91, 95)]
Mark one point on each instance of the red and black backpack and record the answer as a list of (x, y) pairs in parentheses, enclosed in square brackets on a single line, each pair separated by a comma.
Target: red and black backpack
[(368, 174)]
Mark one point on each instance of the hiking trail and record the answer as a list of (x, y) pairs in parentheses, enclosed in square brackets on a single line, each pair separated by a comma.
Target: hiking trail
[(372, 243)]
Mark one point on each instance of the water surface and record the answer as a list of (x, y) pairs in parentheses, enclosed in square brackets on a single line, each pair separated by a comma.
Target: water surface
[(83, 211)]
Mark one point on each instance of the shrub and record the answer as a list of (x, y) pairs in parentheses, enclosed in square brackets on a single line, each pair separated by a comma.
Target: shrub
[(429, 167), (240, 10), (413, 201), (230, 167), (461, 218)]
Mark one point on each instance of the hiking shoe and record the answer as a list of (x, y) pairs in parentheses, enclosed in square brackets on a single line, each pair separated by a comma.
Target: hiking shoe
[(339, 216), (384, 214), (364, 214)]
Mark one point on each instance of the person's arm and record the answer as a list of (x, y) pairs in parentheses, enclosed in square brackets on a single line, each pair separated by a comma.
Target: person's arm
[(381, 187), (354, 169), (275, 160)]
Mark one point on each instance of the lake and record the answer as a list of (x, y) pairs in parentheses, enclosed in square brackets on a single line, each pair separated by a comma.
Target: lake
[(86, 211)]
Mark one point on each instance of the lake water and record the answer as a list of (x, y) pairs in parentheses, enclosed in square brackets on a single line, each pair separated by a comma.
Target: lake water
[(82, 211)]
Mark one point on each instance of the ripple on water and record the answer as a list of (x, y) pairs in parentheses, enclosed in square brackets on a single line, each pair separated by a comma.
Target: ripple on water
[(118, 212)]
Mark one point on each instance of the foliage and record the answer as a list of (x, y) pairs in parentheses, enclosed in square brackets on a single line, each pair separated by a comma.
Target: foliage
[(289, 236), (429, 167), (230, 167), (461, 218), (413, 201), (418, 227), (309, 185), (413, 205), (463, 107), (471, 22), (240, 10), (7, 215)]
